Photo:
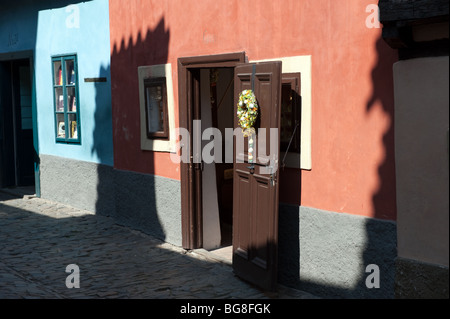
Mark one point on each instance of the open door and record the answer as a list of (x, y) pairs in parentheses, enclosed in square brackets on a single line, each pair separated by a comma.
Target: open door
[(255, 188)]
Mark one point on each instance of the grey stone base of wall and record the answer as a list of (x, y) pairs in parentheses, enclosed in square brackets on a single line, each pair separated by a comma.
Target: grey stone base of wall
[(419, 280), (327, 253), (149, 203), (80, 184), (145, 202)]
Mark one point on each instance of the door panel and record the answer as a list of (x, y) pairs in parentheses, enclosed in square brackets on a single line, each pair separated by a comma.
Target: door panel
[(255, 193), (261, 219), (242, 228)]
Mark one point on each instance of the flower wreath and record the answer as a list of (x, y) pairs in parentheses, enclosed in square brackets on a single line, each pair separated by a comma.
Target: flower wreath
[(247, 111)]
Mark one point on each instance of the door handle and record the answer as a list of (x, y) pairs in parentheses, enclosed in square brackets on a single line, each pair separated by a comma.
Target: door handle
[(273, 179)]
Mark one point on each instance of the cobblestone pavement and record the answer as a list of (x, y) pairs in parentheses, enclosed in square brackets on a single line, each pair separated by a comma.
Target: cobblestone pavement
[(40, 238)]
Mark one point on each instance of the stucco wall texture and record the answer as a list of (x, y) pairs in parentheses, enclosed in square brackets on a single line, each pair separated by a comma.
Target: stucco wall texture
[(353, 168)]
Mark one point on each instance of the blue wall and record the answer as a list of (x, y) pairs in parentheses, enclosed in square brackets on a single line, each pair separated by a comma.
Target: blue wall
[(58, 27), (89, 38)]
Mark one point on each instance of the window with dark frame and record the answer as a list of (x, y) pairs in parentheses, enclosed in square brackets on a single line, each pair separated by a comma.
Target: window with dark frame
[(66, 101), (290, 113), (156, 116)]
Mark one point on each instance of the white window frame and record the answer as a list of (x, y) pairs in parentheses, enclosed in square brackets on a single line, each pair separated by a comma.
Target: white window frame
[(300, 64), (157, 71)]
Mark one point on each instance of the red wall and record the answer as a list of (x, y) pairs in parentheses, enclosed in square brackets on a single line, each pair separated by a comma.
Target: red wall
[(352, 89)]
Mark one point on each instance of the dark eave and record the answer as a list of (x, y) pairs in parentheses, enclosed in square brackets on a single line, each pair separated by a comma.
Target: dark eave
[(413, 11), (402, 18)]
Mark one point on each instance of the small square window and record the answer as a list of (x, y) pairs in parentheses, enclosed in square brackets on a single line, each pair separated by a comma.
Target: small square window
[(156, 117)]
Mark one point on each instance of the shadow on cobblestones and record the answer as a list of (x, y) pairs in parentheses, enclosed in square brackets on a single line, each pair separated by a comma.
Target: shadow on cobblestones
[(39, 238)]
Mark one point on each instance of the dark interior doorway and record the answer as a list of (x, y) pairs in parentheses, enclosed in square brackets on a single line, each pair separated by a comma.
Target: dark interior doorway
[(217, 113), (16, 124)]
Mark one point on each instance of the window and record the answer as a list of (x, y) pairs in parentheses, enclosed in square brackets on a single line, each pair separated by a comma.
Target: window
[(66, 102), (156, 116), (290, 113), (302, 65), (156, 105)]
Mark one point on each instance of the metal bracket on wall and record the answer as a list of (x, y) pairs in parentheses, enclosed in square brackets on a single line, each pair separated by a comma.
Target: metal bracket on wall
[(103, 79)]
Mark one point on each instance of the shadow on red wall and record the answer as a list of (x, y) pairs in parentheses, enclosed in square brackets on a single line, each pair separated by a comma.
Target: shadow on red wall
[(128, 192), (380, 246), (148, 49)]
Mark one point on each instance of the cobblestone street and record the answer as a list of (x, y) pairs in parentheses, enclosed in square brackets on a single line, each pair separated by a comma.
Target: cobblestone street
[(40, 238)]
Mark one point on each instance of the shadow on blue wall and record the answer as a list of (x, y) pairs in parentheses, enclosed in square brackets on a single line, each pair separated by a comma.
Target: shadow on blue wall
[(19, 25)]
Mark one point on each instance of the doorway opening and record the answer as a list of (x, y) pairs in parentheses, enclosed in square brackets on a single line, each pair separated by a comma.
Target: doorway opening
[(206, 94), (17, 151), (216, 111)]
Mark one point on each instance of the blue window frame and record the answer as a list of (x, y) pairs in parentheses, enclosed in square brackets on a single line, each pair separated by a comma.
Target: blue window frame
[(66, 101)]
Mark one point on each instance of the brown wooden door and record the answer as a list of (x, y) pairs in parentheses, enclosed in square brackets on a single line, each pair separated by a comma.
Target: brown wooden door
[(255, 191)]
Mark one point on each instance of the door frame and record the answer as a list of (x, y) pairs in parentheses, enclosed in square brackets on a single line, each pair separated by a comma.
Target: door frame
[(191, 217), (29, 55)]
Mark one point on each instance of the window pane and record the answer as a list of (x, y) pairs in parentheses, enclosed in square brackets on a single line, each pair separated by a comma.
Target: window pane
[(71, 100), (61, 128), (287, 115), (66, 104), (155, 109), (70, 72), (73, 133), (57, 73), (59, 99)]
